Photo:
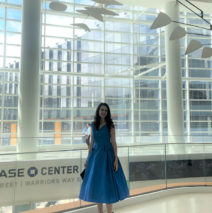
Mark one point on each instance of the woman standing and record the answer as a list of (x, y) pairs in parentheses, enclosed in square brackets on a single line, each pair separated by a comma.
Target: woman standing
[(104, 180)]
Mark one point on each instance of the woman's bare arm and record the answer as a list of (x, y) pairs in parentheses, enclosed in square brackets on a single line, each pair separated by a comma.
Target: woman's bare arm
[(113, 141), (90, 146), (91, 143)]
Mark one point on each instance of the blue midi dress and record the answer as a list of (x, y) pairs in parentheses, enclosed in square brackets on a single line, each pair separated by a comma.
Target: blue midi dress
[(101, 184)]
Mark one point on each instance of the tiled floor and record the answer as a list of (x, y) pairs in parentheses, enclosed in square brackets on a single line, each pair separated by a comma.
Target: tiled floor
[(184, 203)]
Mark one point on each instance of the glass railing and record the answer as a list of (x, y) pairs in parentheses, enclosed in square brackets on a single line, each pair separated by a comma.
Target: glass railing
[(51, 179), (128, 139)]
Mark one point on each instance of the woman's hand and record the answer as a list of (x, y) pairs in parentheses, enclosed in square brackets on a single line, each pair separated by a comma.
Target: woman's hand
[(116, 165)]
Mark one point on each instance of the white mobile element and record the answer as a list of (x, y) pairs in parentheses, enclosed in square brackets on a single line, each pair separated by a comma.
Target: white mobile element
[(193, 46), (100, 10), (206, 52), (97, 16), (108, 2), (178, 33), (161, 20), (57, 6), (83, 26)]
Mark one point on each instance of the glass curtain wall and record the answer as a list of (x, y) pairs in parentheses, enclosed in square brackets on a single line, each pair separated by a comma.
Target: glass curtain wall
[(10, 51), (120, 61)]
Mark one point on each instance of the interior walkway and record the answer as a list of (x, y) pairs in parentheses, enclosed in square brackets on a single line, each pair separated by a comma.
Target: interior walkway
[(170, 203), (182, 203)]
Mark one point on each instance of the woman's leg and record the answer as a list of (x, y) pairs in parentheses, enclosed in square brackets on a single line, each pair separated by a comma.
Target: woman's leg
[(99, 206), (109, 208)]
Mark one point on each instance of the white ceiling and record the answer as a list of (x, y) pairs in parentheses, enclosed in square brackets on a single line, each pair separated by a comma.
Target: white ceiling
[(160, 4), (209, 1)]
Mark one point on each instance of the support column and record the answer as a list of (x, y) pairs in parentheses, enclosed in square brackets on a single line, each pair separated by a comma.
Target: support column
[(29, 87), (174, 82)]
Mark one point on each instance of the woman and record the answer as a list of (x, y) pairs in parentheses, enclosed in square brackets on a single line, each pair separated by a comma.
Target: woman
[(104, 180)]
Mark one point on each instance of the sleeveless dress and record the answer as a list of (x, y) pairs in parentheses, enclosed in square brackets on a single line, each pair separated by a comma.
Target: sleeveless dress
[(101, 184)]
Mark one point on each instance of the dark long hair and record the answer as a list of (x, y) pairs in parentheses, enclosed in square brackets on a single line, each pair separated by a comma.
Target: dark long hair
[(108, 119)]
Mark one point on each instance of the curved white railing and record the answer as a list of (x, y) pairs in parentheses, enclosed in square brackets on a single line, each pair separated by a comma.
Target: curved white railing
[(49, 177)]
